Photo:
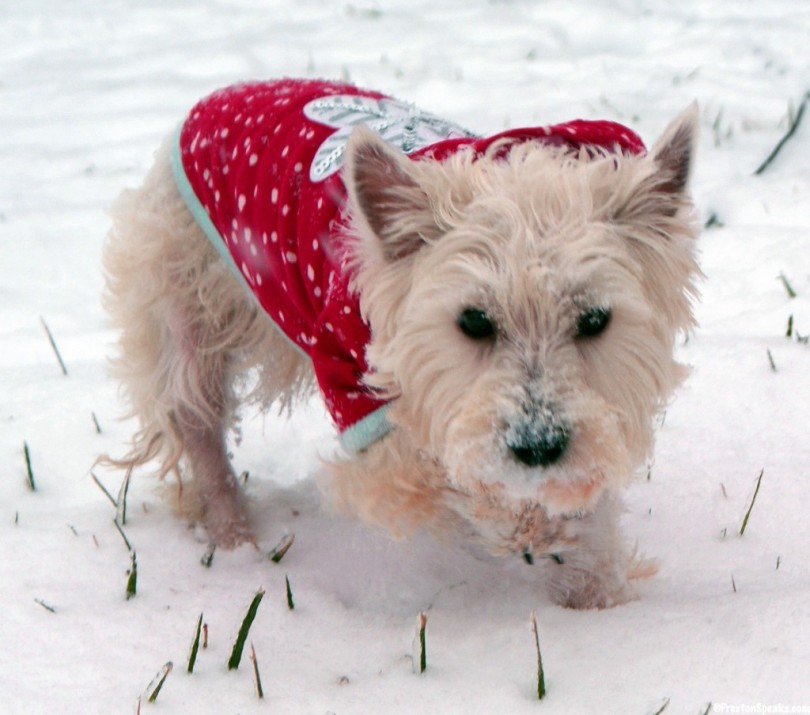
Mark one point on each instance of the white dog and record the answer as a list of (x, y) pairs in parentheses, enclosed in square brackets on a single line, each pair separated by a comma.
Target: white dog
[(491, 321)]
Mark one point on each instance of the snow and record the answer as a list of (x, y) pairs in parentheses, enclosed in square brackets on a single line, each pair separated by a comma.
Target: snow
[(87, 92)]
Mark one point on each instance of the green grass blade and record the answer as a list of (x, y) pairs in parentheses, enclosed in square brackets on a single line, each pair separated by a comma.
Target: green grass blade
[(422, 642), (53, 345), (256, 677), (28, 470), (157, 683), (195, 645), (282, 548), (794, 125), (132, 580), (751, 505), (104, 489), (290, 602), (788, 288), (121, 502), (123, 535), (239, 645), (541, 674), (208, 557), (45, 605)]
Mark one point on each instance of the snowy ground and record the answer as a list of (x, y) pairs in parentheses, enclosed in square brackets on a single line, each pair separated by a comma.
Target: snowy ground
[(88, 89)]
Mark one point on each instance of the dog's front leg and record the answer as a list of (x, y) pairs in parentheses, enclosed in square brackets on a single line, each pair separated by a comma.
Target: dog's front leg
[(596, 571)]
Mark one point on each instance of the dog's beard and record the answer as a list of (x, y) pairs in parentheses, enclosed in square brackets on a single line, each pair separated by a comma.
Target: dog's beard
[(511, 526), (479, 463)]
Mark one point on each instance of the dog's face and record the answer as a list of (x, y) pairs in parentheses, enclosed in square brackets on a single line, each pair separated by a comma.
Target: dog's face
[(524, 309)]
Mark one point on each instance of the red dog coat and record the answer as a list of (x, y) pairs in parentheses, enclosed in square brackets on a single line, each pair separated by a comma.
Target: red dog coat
[(258, 166)]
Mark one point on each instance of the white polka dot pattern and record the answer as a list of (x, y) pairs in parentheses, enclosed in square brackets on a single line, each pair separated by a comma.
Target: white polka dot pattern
[(251, 155)]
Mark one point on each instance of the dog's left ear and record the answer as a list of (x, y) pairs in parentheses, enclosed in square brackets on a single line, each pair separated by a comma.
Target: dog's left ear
[(662, 226), (385, 197), (674, 151)]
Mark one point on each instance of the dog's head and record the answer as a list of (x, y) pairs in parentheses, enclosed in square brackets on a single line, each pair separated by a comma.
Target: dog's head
[(524, 308)]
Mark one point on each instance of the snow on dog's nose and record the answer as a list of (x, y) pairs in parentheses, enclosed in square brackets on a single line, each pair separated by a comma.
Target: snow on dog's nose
[(539, 437)]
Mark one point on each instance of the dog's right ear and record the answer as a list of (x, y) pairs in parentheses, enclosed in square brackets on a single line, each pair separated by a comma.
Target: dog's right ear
[(385, 197)]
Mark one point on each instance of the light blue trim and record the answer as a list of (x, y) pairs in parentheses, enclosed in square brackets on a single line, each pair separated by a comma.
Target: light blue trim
[(199, 213), (364, 433)]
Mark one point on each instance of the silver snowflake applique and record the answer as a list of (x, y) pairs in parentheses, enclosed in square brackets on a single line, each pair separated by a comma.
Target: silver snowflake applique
[(402, 125)]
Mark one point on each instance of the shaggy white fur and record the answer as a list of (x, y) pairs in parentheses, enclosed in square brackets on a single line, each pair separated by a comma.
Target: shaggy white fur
[(523, 312)]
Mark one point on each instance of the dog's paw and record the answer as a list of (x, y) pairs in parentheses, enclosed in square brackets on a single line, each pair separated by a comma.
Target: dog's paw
[(227, 525), (580, 584), (598, 595)]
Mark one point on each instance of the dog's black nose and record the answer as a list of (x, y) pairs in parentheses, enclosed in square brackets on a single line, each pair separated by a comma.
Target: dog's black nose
[(539, 448)]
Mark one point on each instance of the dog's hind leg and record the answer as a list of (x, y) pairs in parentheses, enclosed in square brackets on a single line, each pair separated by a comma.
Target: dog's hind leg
[(200, 416), (187, 330)]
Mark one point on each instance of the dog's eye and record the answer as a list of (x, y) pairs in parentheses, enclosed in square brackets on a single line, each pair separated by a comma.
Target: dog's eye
[(592, 322), (475, 324)]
